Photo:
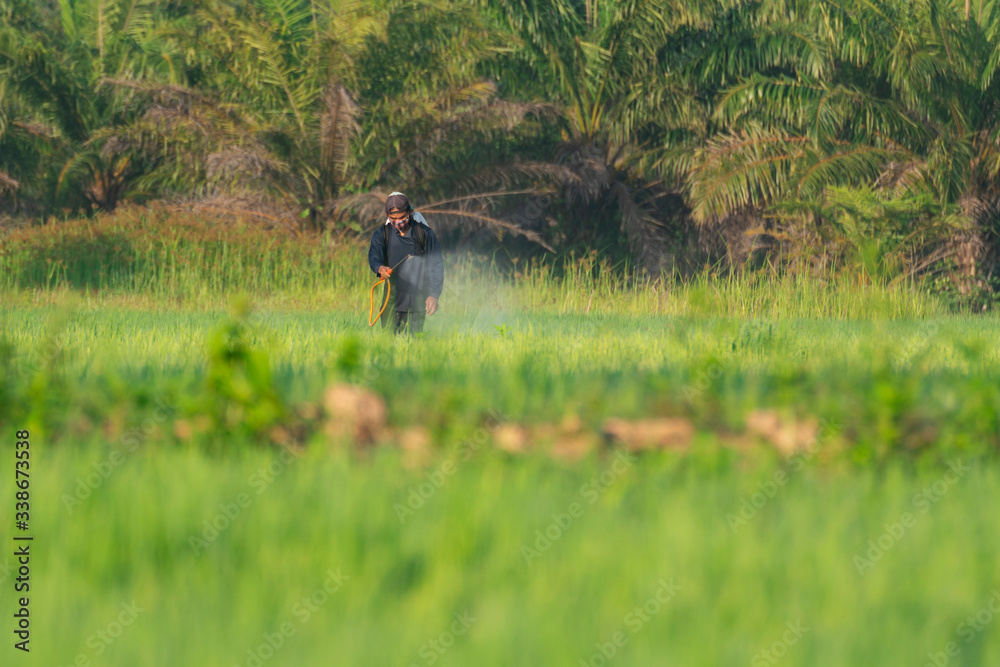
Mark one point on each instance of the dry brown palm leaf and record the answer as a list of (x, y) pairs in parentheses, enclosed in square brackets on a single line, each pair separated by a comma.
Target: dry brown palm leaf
[(506, 175), (240, 163), (162, 93), (258, 209), (36, 129), (168, 118), (901, 177), (7, 184), (978, 208), (364, 206), (338, 127), (371, 206), (490, 222)]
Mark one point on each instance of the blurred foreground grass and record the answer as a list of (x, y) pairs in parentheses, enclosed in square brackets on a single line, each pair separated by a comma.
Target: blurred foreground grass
[(647, 524)]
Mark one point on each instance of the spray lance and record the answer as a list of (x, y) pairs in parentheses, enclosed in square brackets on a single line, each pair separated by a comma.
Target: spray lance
[(388, 291)]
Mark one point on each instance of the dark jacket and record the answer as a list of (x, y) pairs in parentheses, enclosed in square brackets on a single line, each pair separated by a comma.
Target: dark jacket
[(416, 278)]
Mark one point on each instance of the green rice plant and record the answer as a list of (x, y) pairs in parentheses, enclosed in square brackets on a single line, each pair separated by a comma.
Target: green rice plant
[(158, 256)]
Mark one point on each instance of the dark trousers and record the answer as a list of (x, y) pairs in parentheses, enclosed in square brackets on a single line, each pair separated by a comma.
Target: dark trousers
[(404, 321)]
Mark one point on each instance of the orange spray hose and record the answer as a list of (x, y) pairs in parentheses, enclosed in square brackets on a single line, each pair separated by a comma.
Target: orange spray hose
[(388, 291)]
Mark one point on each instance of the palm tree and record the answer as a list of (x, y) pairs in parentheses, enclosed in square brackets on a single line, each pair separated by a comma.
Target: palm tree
[(13, 153), (54, 55), (901, 96), (294, 116), (628, 113), (261, 121)]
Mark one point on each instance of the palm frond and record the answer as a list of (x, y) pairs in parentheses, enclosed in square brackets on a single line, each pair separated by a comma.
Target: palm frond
[(489, 221), (338, 128), (7, 184)]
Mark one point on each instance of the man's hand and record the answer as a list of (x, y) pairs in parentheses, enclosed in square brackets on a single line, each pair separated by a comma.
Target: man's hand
[(432, 305), (384, 272)]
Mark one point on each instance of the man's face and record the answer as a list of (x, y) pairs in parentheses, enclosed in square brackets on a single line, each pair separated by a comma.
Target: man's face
[(400, 220)]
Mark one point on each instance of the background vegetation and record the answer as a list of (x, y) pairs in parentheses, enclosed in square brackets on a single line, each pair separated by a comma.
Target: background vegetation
[(850, 136)]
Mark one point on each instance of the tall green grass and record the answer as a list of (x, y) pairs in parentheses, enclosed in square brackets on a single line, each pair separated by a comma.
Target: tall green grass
[(169, 256), (155, 257), (586, 286)]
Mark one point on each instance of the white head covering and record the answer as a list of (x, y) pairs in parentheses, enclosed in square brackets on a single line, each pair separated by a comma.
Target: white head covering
[(417, 217)]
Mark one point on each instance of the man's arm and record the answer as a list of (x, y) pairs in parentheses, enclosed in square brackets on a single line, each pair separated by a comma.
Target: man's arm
[(376, 252)]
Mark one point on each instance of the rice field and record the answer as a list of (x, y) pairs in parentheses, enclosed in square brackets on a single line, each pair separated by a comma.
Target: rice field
[(170, 528)]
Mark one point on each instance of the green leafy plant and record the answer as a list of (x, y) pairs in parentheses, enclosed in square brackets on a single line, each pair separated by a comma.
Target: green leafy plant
[(240, 396)]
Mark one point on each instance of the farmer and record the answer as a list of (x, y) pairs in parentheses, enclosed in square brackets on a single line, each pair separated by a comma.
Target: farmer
[(417, 281)]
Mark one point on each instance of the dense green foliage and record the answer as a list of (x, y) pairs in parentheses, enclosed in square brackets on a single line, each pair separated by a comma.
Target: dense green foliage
[(850, 134)]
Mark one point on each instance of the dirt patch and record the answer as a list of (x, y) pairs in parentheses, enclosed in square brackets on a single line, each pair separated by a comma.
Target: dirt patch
[(415, 444), (354, 413), (787, 435), (663, 433), (512, 438)]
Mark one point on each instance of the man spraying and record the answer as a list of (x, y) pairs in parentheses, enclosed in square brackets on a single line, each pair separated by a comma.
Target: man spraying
[(406, 240)]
